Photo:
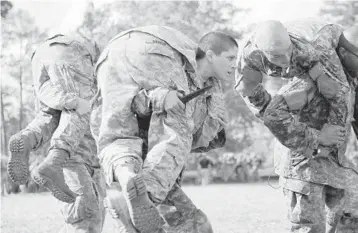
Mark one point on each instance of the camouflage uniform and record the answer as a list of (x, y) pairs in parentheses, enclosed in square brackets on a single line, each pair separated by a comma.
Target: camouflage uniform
[(83, 175), (296, 115), (62, 72), (69, 131), (153, 60)]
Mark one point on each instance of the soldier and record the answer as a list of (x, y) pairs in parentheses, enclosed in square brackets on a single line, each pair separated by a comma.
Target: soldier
[(64, 83), (156, 65), (302, 113), (62, 71)]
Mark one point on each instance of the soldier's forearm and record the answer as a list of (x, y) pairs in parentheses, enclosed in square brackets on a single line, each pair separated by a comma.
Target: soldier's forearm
[(56, 98), (146, 101), (258, 101), (217, 142), (291, 133)]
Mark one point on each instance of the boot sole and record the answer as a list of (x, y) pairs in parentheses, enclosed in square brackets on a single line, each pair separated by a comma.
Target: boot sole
[(55, 191), (17, 166), (144, 215), (116, 205)]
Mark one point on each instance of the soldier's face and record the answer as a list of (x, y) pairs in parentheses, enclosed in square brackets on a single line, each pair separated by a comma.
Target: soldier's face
[(224, 64), (281, 58)]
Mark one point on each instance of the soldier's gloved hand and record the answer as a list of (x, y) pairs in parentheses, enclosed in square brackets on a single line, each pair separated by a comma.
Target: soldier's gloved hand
[(173, 104), (83, 106), (249, 81), (332, 135)]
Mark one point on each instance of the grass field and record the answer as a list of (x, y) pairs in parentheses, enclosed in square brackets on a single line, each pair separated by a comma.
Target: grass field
[(232, 208)]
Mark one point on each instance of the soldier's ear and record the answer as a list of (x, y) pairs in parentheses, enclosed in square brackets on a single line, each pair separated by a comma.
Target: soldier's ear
[(342, 52), (209, 55)]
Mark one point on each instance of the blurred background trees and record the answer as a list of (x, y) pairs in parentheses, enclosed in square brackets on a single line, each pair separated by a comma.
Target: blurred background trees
[(247, 139)]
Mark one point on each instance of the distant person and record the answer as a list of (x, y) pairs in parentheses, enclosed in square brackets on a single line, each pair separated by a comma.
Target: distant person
[(242, 171), (254, 162), (205, 167)]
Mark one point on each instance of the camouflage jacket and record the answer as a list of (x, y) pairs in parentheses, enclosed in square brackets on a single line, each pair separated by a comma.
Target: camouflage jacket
[(297, 130), (314, 57), (62, 71), (206, 113)]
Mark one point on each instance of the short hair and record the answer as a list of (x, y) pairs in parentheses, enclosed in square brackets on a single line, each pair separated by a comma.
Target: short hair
[(215, 41)]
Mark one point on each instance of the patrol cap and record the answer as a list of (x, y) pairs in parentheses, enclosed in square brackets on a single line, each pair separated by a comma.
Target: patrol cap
[(271, 37)]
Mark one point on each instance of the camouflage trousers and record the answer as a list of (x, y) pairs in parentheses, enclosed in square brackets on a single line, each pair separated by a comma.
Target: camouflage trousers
[(315, 207), (181, 215), (43, 126), (69, 130), (87, 213), (82, 175)]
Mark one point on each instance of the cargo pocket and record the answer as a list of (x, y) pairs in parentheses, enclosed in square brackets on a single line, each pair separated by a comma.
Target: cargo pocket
[(76, 211)]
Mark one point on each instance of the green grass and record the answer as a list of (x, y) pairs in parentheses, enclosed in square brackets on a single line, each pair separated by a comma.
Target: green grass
[(232, 208)]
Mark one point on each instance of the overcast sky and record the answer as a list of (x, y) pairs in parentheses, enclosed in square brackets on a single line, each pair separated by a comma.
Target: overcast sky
[(48, 13)]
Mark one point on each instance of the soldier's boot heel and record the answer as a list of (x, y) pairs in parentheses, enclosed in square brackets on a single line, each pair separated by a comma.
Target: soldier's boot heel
[(49, 174), (202, 223), (20, 146), (117, 207), (144, 214)]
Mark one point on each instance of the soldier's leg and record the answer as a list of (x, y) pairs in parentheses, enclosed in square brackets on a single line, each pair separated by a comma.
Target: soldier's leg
[(347, 224), (187, 217), (306, 210), (169, 144), (100, 187), (120, 147), (167, 154), (86, 214), (117, 207), (349, 221), (335, 200), (64, 142), (36, 134)]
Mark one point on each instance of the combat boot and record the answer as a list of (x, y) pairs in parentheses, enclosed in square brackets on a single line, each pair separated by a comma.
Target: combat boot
[(116, 205), (20, 146), (50, 175), (144, 215), (118, 209)]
